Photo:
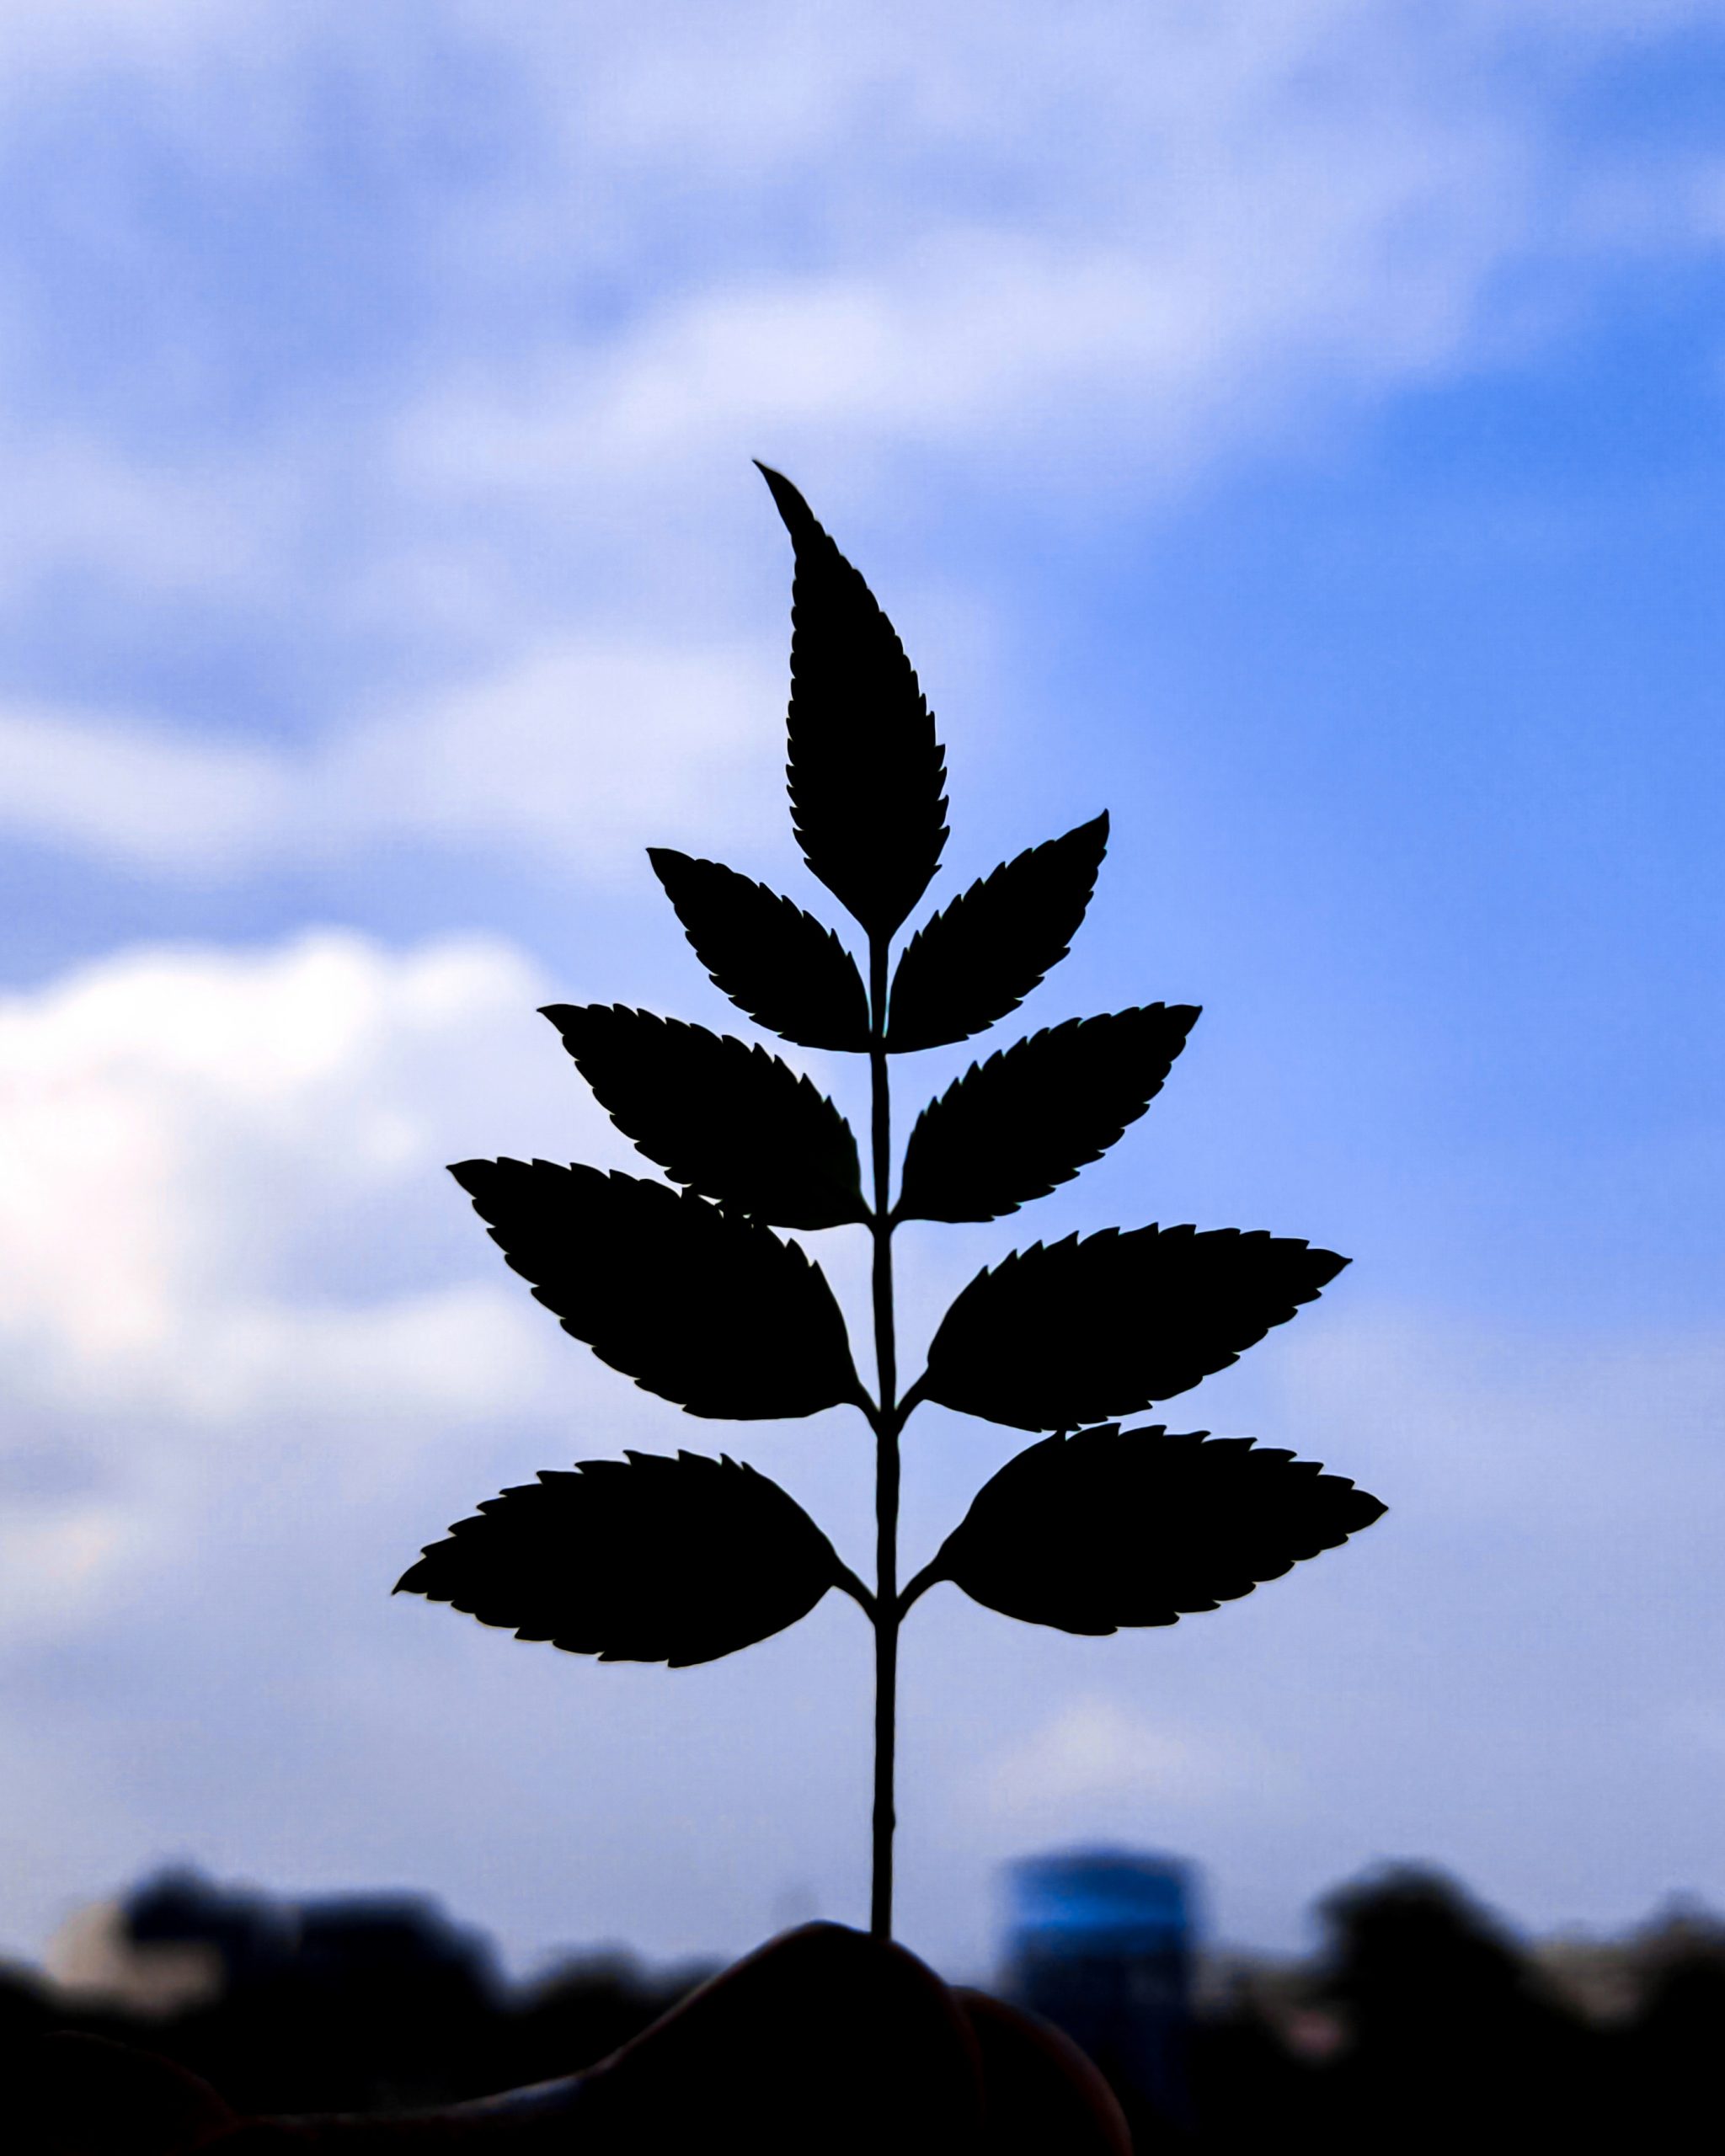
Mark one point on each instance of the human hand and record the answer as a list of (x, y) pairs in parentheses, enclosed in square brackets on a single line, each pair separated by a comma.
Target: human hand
[(824, 2042)]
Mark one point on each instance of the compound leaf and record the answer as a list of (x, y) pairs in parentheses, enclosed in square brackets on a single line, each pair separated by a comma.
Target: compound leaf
[(865, 771), (774, 961), (700, 1305), (1032, 1116), (645, 1559), (730, 1120), (981, 956), (1075, 1330), (1115, 1526)]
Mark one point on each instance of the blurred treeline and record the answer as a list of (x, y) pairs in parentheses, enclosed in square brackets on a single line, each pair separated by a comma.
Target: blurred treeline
[(358, 2004), (1423, 2022)]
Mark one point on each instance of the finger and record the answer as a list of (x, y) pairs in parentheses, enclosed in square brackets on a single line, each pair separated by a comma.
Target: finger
[(1040, 2093), (85, 2096), (825, 2039)]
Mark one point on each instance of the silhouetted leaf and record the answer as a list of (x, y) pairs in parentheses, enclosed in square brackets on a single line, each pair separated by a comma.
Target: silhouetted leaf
[(650, 1559), (701, 1305), (731, 1120), (865, 771), (1031, 1116), (1074, 1330), (778, 964), (1116, 1527), (983, 954)]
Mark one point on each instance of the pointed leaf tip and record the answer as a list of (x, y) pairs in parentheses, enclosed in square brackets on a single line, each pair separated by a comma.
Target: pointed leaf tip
[(981, 956), (645, 1559), (865, 772), (695, 1302), (775, 962), (787, 498), (1013, 1127), (730, 1120), (1114, 1527), (1068, 1332)]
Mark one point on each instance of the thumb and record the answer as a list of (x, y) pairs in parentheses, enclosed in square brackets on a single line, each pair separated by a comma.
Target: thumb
[(825, 2039), (85, 2096), (1039, 2090)]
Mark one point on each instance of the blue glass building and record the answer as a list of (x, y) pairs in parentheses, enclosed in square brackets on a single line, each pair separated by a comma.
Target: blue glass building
[(1100, 1943)]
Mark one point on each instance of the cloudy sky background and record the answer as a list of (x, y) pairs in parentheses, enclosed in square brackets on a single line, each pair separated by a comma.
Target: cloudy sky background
[(1297, 425)]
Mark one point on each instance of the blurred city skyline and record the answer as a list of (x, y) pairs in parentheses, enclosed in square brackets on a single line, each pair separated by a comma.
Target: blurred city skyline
[(1293, 428)]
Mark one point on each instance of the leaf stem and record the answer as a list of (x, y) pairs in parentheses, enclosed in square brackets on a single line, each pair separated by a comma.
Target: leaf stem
[(849, 1582), (886, 1467), (926, 1578)]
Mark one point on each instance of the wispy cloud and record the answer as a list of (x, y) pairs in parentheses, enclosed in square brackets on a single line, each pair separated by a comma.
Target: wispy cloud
[(590, 264), (378, 389), (1099, 1767), (204, 1144), (578, 755), (258, 1352)]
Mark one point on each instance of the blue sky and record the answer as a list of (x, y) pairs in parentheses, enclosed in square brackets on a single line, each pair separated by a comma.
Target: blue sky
[(1298, 428)]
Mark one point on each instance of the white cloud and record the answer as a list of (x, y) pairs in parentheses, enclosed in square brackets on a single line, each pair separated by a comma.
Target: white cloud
[(582, 755), (1098, 1767), (150, 797), (1081, 255), (158, 525), (1073, 254), (258, 1351), (194, 1139), (1089, 249), (59, 1566), (1605, 1440), (586, 755), (232, 1271), (1127, 239)]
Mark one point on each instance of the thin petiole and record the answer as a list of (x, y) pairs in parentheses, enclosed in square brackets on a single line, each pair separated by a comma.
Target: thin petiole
[(919, 1587), (887, 1423), (854, 1587)]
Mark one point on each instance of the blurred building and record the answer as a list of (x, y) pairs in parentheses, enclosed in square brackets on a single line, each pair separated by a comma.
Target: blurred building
[(95, 1965), (1101, 1943), (180, 1940)]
